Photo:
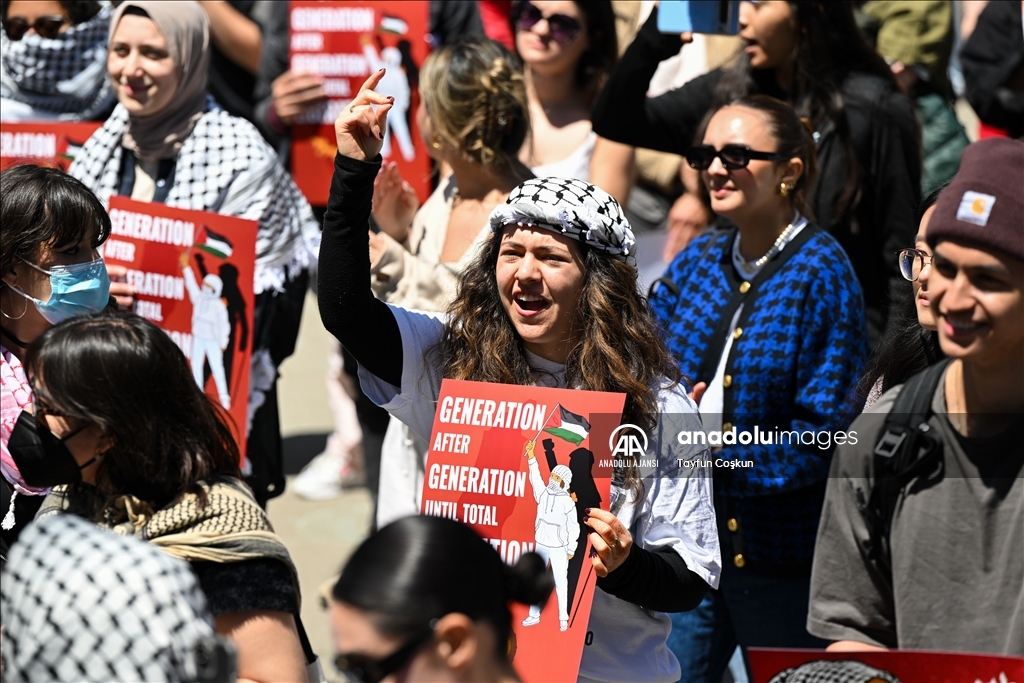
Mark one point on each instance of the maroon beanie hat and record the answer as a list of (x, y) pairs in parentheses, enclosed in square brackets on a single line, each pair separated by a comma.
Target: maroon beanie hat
[(984, 204)]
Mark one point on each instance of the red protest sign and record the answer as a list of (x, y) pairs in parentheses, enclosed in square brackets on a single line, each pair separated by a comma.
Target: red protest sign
[(193, 275), (770, 665), (44, 143), (482, 471), (344, 41)]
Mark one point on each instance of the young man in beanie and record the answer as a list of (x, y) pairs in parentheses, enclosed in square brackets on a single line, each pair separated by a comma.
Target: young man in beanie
[(922, 533)]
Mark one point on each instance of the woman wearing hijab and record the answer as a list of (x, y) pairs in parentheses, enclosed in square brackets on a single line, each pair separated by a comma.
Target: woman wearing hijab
[(54, 58), (168, 141)]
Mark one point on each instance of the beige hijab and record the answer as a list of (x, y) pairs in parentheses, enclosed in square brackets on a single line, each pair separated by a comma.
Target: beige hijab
[(186, 29)]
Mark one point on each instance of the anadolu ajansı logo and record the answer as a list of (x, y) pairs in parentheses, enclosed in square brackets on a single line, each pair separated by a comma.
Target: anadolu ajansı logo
[(631, 442)]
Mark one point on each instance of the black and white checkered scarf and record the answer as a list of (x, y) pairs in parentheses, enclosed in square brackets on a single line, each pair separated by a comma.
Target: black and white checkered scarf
[(838, 671), (223, 166), (83, 604), (572, 208), (65, 75)]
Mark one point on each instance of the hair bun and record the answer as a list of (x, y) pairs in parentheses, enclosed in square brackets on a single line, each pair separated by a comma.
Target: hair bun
[(528, 581)]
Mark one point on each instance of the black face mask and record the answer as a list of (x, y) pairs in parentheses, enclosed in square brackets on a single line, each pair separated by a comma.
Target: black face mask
[(42, 459)]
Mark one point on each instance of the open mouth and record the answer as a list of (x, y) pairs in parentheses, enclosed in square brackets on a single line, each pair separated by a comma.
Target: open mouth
[(959, 328), (530, 304)]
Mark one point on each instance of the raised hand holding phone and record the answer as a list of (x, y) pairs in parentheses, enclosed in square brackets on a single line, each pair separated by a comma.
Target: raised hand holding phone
[(359, 129)]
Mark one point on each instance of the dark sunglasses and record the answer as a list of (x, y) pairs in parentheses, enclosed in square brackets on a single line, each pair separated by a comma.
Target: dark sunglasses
[(564, 29), (47, 27), (732, 156), (366, 670)]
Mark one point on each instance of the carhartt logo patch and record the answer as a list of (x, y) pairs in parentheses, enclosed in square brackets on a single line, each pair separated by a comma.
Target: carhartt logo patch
[(975, 207)]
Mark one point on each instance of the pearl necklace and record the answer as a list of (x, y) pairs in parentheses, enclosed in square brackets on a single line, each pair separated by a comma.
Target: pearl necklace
[(776, 248)]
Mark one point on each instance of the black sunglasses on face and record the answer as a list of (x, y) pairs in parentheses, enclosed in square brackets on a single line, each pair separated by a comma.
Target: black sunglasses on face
[(47, 27), (361, 668), (733, 156), (564, 29)]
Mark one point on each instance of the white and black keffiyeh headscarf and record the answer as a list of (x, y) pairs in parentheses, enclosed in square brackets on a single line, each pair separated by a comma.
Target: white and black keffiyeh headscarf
[(66, 75), (838, 671), (572, 208), (224, 166), (83, 604)]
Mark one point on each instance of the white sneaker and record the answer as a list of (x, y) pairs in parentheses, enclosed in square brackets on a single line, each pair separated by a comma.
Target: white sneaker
[(321, 478), (563, 625), (531, 621)]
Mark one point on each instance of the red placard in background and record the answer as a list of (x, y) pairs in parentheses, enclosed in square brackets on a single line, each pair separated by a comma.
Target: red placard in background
[(778, 666), (344, 41), (45, 143), (477, 473), (177, 260)]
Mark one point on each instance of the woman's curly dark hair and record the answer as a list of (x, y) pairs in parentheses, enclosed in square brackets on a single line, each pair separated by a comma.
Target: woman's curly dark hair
[(617, 344)]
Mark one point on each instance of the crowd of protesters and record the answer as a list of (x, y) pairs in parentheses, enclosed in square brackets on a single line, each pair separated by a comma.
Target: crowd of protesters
[(841, 258)]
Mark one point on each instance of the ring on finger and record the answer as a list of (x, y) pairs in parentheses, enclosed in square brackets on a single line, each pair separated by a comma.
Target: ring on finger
[(615, 542)]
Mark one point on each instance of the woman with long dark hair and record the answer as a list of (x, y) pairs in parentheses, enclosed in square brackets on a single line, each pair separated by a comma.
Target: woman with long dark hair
[(474, 118), (810, 54), (428, 596), (551, 299), (568, 48), (769, 314), (130, 442), (911, 340)]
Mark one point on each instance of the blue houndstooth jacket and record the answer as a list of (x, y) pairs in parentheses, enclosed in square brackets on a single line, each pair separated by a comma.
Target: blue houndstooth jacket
[(799, 348)]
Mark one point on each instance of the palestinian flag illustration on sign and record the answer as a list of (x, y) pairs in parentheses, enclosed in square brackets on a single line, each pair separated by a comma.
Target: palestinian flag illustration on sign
[(216, 244), (567, 426)]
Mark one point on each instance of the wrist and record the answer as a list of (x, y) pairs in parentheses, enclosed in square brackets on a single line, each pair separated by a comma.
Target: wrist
[(659, 45)]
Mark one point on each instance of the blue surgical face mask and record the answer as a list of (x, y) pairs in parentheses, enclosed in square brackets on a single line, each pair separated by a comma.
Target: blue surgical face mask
[(75, 290)]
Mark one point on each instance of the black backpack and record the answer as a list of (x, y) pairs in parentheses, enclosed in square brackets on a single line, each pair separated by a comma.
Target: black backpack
[(906, 450)]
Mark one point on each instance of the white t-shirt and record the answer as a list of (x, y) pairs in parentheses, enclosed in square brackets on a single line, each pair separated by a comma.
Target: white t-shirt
[(677, 510), (576, 165), (714, 397)]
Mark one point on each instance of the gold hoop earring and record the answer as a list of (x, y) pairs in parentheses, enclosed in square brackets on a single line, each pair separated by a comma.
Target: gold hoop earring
[(436, 144), (784, 189), (11, 317)]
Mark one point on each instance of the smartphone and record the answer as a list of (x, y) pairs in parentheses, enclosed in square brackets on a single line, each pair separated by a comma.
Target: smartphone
[(699, 16)]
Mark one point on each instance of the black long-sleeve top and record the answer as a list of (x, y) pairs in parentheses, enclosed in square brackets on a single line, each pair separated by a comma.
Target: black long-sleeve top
[(883, 136), (366, 327)]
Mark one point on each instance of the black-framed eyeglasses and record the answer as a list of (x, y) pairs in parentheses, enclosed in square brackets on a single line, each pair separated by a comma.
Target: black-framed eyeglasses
[(733, 156), (913, 262), (356, 667), (47, 27), (564, 29)]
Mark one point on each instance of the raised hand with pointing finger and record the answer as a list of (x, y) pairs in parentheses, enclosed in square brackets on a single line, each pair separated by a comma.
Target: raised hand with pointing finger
[(359, 128)]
